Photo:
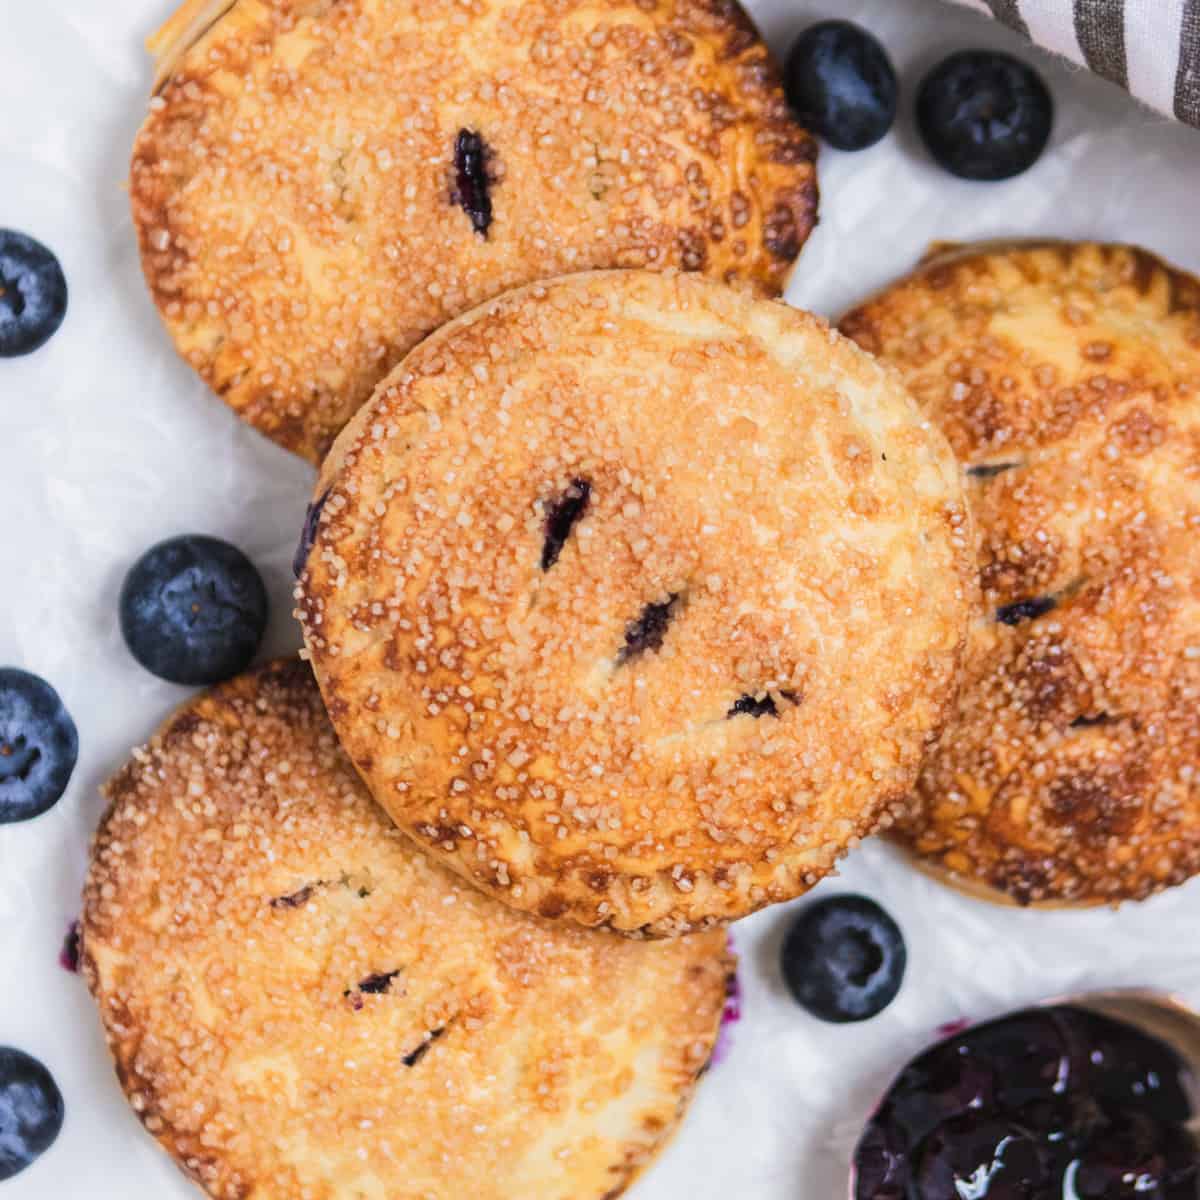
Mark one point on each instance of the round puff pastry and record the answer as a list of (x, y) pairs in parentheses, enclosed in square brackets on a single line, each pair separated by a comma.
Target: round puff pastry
[(301, 1004), (1067, 378), (320, 184), (636, 600)]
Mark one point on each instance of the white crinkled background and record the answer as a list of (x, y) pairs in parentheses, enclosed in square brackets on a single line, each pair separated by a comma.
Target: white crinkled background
[(107, 443)]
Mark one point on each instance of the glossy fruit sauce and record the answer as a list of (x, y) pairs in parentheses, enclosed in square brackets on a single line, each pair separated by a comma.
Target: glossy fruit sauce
[(1045, 1104)]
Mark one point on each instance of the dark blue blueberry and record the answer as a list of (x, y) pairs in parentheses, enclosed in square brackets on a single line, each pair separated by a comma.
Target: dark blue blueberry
[(844, 959), (841, 84), (193, 610), (33, 294), (31, 1111), (38, 746), (984, 115)]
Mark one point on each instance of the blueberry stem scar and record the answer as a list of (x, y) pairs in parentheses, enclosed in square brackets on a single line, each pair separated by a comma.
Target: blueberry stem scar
[(561, 516), (648, 631), (24, 757), (10, 295), (748, 704)]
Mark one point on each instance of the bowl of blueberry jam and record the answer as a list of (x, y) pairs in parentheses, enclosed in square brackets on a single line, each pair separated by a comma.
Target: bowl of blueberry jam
[(1061, 1102)]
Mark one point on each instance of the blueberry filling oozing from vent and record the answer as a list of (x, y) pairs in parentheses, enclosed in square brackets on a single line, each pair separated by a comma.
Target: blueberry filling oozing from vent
[(297, 898), (414, 1056), (648, 631), (308, 534), (991, 470), (1025, 610), (753, 706), (471, 181), (1087, 720), (561, 516), (379, 983), (68, 955)]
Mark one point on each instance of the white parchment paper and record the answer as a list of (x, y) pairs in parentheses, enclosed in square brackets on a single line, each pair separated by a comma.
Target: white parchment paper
[(108, 443)]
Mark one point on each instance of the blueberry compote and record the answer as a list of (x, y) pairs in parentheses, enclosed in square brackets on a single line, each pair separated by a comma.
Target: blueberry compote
[(1045, 1104)]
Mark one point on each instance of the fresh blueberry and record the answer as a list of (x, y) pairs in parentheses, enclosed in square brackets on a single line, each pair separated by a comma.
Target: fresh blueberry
[(38, 746), (193, 610), (841, 83), (844, 959), (984, 115), (31, 1111), (33, 294)]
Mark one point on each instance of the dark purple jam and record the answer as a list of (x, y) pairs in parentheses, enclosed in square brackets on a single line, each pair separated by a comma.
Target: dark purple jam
[(1045, 1104), (68, 955)]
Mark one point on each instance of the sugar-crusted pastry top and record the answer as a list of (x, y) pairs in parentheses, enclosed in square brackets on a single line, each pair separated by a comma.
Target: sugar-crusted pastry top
[(1067, 377), (301, 1004), (319, 185), (636, 599)]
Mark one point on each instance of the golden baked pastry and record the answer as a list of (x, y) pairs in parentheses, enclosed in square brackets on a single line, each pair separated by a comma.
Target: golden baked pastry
[(1067, 378), (635, 599), (319, 185), (301, 1004)]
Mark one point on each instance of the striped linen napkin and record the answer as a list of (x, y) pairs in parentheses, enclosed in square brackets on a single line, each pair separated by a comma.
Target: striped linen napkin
[(1149, 47)]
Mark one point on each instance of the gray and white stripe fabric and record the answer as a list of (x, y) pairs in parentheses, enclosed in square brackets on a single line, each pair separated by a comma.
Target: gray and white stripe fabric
[(1150, 47)]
